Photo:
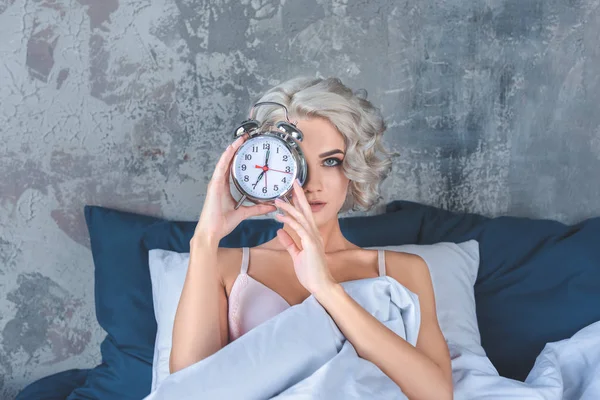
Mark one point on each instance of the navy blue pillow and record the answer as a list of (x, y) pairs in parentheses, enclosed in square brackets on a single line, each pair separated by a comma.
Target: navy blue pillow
[(538, 281), (54, 387), (124, 309), (119, 376)]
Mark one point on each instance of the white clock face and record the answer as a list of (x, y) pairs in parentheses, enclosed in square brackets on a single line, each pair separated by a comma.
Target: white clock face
[(264, 167)]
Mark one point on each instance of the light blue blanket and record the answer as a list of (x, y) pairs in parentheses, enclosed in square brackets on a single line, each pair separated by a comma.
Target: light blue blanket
[(302, 354)]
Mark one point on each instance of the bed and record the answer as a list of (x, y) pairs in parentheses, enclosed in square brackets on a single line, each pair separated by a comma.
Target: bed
[(537, 282)]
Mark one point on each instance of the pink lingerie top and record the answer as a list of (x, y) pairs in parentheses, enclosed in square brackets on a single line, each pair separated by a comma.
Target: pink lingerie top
[(251, 303)]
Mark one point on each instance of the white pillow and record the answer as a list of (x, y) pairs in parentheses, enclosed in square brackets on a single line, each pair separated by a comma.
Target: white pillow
[(167, 272), (453, 269)]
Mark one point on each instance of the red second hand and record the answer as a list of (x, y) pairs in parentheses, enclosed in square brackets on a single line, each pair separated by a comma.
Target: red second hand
[(271, 169)]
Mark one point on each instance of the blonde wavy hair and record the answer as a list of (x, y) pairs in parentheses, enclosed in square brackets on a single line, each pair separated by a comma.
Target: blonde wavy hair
[(367, 162)]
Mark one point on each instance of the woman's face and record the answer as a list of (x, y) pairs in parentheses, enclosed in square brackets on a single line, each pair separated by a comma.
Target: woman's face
[(324, 150)]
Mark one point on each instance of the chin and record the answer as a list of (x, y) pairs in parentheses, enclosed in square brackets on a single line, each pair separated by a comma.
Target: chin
[(323, 217)]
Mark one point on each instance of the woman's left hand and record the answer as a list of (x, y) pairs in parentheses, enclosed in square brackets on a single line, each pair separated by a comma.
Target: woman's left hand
[(310, 262)]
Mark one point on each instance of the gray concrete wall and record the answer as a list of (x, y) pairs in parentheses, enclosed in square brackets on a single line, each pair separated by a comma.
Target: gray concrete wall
[(492, 107)]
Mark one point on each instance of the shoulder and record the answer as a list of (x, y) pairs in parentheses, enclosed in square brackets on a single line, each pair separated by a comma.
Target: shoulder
[(229, 262), (229, 253), (410, 270)]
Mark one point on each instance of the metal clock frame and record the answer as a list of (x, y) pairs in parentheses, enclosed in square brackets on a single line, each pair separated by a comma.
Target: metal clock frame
[(286, 134)]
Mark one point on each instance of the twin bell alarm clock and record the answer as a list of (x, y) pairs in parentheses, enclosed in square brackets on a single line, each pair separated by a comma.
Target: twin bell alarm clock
[(266, 164)]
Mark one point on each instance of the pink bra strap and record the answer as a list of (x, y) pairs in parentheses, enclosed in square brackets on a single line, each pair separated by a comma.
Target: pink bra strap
[(245, 256), (381, 260)]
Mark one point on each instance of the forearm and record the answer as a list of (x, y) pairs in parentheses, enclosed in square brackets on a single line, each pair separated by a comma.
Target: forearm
[(197, 326), (416, 374)]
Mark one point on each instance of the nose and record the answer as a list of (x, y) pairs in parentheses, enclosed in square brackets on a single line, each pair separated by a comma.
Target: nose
[(314, 182)]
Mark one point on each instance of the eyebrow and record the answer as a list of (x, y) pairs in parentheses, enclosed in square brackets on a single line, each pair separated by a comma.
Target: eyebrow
[(331, 152)]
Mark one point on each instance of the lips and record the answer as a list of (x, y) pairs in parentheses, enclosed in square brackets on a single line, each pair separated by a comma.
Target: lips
[(316, 206)]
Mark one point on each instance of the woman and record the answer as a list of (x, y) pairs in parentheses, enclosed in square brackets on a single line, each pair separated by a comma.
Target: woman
[(229, 291)]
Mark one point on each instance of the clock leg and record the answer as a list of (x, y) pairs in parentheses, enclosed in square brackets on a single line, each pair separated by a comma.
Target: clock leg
[(239, 203)]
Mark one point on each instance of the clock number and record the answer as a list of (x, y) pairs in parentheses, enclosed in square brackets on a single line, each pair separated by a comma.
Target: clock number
[(276, 188), (247, 156), (285, 158), (243, 167), (264, 190), (278, 150), (246, 178), (254, 149), (287, 169), (284, 180), (266, 146)]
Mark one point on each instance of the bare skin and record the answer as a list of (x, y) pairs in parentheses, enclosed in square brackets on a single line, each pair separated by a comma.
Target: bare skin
[(308, 256)]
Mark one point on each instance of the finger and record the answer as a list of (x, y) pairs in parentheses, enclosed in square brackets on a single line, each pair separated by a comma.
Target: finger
[(301, 197), (293, 211), (259, 209), (303, 204), (287, 242), (222, 167), (295, 225)]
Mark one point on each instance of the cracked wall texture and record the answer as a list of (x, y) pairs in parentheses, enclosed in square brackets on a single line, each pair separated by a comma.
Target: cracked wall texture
[(492, 107)]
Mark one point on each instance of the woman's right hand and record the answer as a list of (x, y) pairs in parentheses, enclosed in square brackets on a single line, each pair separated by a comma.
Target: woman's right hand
[(219, 216)]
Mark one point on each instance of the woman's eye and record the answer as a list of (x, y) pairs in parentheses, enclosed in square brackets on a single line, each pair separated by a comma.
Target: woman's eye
[(332, 162)]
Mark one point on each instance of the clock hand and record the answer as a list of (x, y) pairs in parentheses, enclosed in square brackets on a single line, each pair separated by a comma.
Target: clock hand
[(285, 172), (267, 158), (271, 169), (259, 178)]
